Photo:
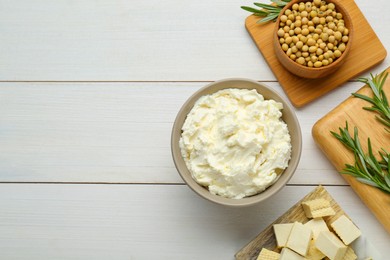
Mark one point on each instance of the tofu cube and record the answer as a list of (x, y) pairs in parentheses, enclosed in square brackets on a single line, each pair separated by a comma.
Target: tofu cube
[(314, 253), (350, 254), (288, 254), (282, 232), (266, 254), (346, 230), (330, 245), (317, 225), (299, 238), (317, 208)]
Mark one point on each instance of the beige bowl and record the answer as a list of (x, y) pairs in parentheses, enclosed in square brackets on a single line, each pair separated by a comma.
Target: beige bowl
[(288, 116), (311, 72)]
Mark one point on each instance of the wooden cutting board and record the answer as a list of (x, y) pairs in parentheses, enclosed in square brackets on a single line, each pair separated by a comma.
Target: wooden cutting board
[(366, 51), (267, 237), (351, 110)]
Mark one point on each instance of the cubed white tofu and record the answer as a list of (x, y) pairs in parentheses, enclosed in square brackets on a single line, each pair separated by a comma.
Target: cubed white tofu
[(282, 232), (317, 208), (317, 225), (299, 238), (313, 252), (288, 254), (330, 245), (350, 254), (266, 254), (346, 230)]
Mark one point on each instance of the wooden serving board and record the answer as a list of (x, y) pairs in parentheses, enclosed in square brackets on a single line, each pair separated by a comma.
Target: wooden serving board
[(366, 51), (351, 110), (295, 213)]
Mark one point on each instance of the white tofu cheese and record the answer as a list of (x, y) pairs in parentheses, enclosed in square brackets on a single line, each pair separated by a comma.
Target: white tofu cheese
[(314, 253), (317, 208), (299, 239), (282, 232), (235, 143), (266, 254), (287, 254), (330, 245), (346, 230), (316, 225), (350, 254)]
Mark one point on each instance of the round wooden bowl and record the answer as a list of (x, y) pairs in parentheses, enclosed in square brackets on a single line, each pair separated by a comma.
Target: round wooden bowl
[(311, 72)]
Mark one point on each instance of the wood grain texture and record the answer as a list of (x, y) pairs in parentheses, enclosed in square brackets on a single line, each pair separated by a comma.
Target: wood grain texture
[(137, 222), (119, 40), (117, 132), (351, 110), (267, 237), (366, 51)]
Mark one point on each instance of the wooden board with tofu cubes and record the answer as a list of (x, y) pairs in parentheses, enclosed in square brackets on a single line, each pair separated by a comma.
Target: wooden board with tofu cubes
[(293, 220)]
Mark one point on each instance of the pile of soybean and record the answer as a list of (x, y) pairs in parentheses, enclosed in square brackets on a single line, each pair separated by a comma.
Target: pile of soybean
[(313, 34)]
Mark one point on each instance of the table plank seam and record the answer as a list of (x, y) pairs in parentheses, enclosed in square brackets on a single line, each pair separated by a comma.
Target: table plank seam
[(152, 183), (130, 81)]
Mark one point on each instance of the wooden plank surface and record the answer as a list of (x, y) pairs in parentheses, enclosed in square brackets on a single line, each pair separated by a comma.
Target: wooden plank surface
[(57, 221), (366, 51), (351, 111), (119, 40), (116, 132), (88, 90)]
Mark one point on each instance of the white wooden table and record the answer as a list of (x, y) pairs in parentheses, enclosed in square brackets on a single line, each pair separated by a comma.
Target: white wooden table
[(88, 94)]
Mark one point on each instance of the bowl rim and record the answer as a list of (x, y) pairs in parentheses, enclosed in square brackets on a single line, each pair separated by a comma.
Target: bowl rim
[(203, 191), (341, 59)]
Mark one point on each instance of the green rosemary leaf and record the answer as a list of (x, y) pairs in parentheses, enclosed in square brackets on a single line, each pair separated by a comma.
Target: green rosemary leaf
[(269, 11), (374, 109), (255, 11), (384, 99), (280, 2), (385, 157), (383, 79), (336, 135), (270, 17), (351, 170), (367, 168), (379, 101), (268, 7), (357, 142), (361, 163), (387, 179), (374, 88), (365, 181), (368, 99), (373, 162), (383, 120)]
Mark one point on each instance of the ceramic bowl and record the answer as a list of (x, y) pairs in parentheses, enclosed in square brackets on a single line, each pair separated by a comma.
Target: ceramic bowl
[(289, 118)]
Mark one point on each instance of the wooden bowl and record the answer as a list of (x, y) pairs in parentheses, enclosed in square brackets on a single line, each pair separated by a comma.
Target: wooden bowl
[(311, 72), (288, 116)]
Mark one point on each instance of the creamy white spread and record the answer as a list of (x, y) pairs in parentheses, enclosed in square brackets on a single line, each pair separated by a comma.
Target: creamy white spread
[(235, 143)]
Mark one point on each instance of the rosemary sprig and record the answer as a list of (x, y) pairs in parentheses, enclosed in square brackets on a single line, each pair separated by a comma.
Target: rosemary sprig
[(379, 101), (367, 168), (270, 12)]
